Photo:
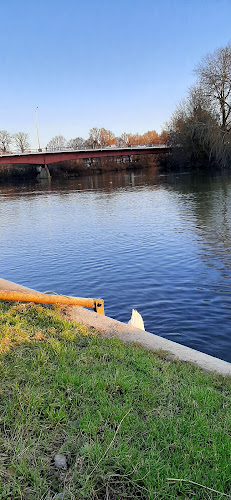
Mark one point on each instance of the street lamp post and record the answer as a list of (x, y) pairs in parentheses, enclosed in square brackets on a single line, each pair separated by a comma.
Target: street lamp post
[(36, 126)]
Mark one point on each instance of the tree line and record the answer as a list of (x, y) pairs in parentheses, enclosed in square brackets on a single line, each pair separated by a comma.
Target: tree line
[(201, 124), (98, 138), (102, 138)]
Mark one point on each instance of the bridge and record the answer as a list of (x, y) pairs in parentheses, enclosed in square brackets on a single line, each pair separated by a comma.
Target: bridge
[(44, 157)]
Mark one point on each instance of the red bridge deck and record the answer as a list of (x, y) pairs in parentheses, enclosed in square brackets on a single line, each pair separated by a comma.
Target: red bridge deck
[(46, 158)]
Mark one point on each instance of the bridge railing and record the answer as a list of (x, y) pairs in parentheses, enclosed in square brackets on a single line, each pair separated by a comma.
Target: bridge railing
[(59, 150)]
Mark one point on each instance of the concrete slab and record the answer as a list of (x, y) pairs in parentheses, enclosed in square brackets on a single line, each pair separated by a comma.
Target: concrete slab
[(112, 328), (13, 287)]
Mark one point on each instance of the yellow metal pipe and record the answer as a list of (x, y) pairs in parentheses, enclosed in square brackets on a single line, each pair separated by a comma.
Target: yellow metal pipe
[(42, 298)]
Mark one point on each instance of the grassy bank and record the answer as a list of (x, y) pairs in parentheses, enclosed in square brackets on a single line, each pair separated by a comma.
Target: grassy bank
[(125, 419)]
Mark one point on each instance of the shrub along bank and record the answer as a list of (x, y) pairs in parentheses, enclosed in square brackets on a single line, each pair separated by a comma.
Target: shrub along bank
[(124, 420)]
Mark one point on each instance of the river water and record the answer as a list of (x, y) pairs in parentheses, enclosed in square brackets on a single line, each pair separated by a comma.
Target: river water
[(157, 243)]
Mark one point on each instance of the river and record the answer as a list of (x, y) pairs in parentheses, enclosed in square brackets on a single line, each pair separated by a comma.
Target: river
[(157, 243)]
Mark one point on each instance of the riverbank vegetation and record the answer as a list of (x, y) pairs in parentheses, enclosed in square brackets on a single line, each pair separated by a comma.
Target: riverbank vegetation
[(128, 423), (200, 128)]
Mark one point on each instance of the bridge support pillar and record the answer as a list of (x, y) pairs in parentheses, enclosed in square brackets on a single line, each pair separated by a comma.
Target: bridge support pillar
[(44, 172)]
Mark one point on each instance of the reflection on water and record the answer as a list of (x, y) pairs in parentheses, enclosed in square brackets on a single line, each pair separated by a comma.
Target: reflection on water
[(161, 244)]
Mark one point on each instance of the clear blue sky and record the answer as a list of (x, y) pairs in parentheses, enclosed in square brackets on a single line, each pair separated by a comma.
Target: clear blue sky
[(121, 65)]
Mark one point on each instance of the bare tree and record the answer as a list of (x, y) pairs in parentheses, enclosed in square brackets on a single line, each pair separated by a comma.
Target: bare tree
[(77, 143), (202, 122), (57, 143), (214, 78), (94, 138), (21, 141), (195, 128), (100, 138), (123, 140), (5, 141)]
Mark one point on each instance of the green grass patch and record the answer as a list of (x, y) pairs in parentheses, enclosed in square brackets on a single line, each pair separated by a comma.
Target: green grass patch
[(126, 419)]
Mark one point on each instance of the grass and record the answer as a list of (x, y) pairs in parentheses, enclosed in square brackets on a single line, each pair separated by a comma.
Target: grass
[(126, 419)]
